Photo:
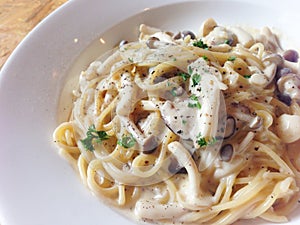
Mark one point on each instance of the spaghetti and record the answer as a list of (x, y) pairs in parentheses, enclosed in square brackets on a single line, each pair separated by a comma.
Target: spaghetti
[(189, 129)]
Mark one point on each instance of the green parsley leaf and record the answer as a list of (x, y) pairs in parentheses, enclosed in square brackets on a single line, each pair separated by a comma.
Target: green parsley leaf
[(194, 105), (202, 142), (184, 76), (247, 76), (205, 57), (196, 79), (130, 60), (200, 44), (88, 144), (93, 135), (231, 58), (127, 141), (194, 97), (190, 70), (227, 42)]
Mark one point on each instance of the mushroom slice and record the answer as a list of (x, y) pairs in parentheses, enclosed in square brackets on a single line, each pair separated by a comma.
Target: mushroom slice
[(207, 26), (288, 128), (218, 36), (230, 127), (274, 58), (243, 36), (265, 77), (289, 85), (226, 152)]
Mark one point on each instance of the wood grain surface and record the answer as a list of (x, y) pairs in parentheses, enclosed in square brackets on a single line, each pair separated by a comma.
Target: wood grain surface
[(17, 18)]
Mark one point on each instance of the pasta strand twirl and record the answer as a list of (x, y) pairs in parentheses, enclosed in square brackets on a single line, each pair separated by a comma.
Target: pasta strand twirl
[(189, 128)]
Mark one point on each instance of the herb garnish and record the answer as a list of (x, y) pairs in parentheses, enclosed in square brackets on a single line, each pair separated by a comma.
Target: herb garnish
[(195, 103), (231, 58), (194, 97), (184, 76), (200, 44), (202, 141), (190, 70), (93, 135), (127, 141), (247, 76), (205, 57), (196, 79)]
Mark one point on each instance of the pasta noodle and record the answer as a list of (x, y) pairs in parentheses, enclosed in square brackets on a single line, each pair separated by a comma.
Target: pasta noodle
[(189, 129)]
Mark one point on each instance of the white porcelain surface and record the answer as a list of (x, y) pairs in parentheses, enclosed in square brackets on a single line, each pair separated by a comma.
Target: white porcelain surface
[(37, 187)]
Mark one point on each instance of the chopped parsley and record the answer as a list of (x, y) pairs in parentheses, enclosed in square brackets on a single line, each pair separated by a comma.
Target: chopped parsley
[(130, 60), (190, 70), (195, 103), (202, 141), (194, 97), (200, 44), (247, 76), (231, 58), (227, 42), (196, 79), (127, 141), (184, 76), (93, 135), (205, 57)]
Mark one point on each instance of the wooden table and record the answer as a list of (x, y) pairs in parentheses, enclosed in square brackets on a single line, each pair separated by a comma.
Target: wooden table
[(17, 18)]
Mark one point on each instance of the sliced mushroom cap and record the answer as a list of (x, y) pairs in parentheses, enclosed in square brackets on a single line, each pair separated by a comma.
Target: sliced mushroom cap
[(288, 128), (289, 85), (226, 152), (265, 77), (207, 26), (230, 127), (151, 41), (291, 55), (242, 36), (274, 58), (186, 33), (218, 36)]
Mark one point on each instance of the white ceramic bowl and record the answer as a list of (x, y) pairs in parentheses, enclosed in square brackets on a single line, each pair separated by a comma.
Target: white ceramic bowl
[(37, 187)]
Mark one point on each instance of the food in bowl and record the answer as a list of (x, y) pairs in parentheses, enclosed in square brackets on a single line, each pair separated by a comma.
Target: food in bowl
[(186, 128)]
